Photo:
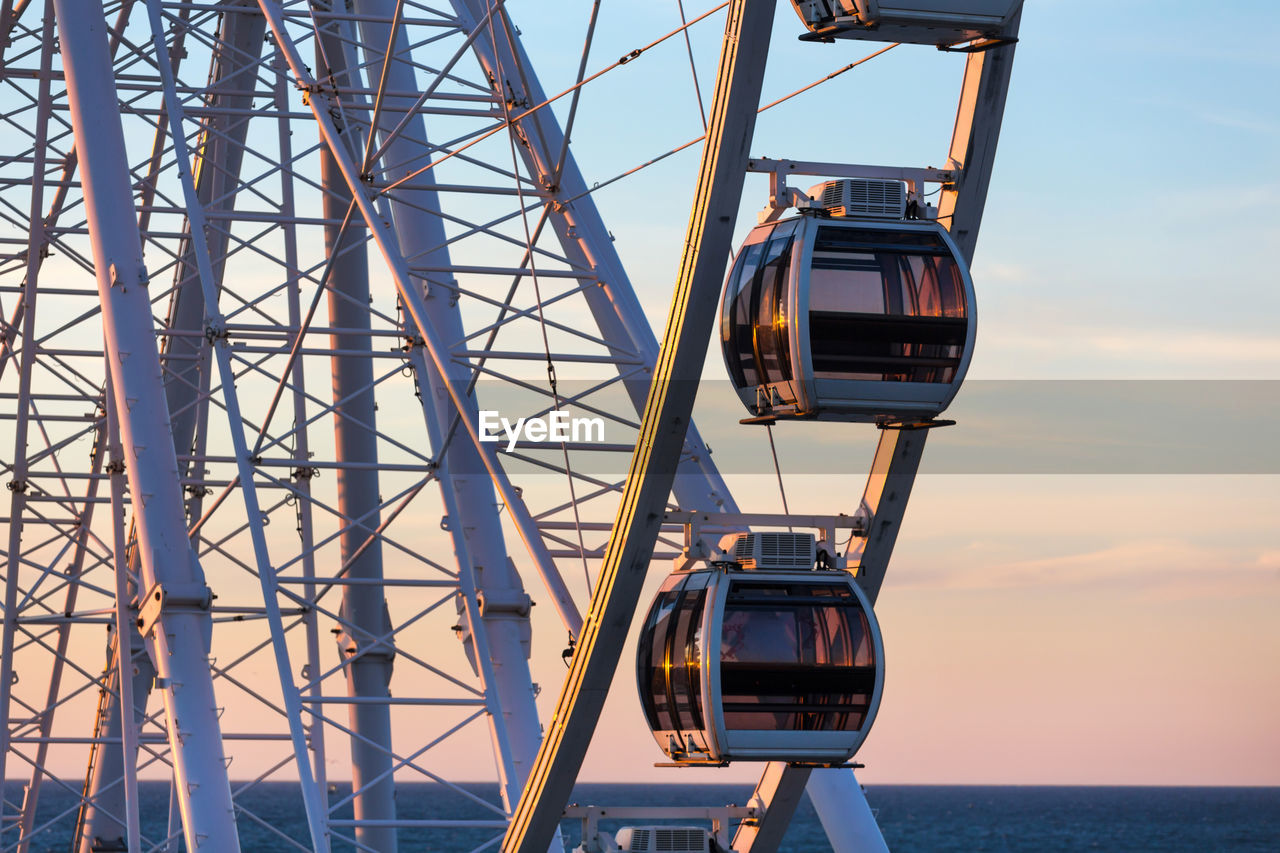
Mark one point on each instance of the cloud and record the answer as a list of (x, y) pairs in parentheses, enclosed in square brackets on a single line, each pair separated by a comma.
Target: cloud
[(1155, 568), (1129, 353), (1195, 346), (998, 272), (1240, 120), (1219, 115)]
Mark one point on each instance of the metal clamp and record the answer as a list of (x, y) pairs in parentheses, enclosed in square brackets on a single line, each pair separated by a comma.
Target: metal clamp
[(167, 598), (505, 602)]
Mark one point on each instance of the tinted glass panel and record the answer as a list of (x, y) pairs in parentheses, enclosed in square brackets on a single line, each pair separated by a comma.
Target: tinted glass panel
[(651, 658), (795, 657), (773, 360), (739, 348), (756, 334), (668, 660), (686, 660), (885, 305)]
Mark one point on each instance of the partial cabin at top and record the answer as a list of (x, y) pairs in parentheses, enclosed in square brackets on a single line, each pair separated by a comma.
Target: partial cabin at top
[(944, 23)]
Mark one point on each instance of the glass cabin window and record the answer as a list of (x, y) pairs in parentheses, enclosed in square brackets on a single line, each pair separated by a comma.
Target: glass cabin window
[(669, 657), (885, 305), (742, 360), (758, 337), (795, 657)]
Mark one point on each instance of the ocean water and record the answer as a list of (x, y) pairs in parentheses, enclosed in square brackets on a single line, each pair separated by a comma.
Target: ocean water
[(913, 817)]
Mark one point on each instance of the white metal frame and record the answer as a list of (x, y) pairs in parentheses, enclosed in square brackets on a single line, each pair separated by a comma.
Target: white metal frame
[(212, 441), (243, 196)]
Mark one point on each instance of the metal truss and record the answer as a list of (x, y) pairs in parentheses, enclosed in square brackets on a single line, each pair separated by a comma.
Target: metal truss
[(262, 266), (334, 295)]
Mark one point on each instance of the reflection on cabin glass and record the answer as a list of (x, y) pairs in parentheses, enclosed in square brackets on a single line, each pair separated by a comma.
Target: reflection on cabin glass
[(760, 282), (885, 305), (671, 647), (795, 657)]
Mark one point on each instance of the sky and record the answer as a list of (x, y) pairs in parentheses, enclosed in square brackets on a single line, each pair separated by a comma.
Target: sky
[(1098, 624), (1085, 587)]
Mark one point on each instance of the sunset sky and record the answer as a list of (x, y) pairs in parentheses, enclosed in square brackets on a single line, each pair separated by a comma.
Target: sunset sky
[(1086, 588), (1067, 625)]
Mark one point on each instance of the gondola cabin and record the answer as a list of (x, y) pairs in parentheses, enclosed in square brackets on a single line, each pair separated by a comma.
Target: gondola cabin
[(761, 659), (848, 312), (911, 21)]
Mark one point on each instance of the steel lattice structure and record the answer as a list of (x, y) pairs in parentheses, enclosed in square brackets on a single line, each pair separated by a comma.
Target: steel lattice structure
[(251, 319), (263, 264)]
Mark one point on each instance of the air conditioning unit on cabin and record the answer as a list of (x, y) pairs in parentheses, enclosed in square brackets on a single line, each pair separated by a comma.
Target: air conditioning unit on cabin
[(769, 550), (862, 197), (663, 839)]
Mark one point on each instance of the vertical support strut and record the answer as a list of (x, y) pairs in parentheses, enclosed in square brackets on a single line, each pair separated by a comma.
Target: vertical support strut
[(17, 502), (216, 329), (498, 634), (366, 656), (125, 629), (409, 224), (306, 523), (177, 629), (663, 430), (184, 356)]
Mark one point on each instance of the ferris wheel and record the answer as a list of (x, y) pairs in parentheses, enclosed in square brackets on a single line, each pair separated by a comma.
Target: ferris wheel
[(313, 336)]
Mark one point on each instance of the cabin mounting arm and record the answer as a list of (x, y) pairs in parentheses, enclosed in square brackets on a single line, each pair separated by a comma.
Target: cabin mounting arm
[(782, 196)]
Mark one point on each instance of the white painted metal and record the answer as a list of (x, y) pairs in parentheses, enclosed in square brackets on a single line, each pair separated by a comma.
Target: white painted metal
[(588, 246), (214, 324), (170, 574), (369, 658), (842, 807), (478, 538), (777, 795), (247, 192), (476, 531), (124, 633), (24, 315), (186, 364)]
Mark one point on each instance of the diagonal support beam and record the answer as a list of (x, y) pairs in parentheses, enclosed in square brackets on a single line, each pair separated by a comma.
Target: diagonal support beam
[(663, 430), (974, 138)]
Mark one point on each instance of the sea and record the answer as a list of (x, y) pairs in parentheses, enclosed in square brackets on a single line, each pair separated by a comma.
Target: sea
[(942, 818)]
